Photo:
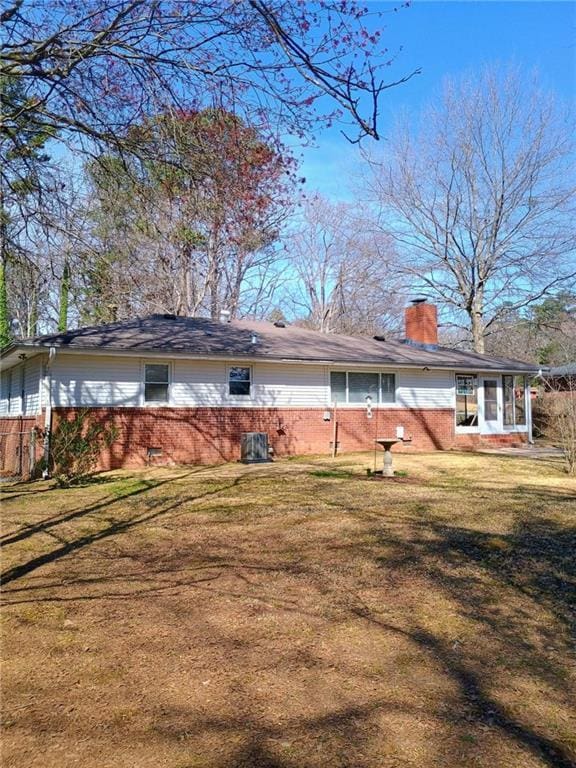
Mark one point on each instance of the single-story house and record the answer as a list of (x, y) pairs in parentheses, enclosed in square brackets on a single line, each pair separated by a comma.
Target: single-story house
[(561, 378), (183, 389)]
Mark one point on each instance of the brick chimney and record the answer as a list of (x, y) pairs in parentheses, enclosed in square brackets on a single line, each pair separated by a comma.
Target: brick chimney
[(421, 321)]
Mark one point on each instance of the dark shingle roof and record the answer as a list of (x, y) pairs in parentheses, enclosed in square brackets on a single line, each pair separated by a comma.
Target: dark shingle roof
[(208, 338), (563, 370)]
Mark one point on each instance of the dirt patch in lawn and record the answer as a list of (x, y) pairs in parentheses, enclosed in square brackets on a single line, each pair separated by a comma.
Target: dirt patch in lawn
[(292, 615)]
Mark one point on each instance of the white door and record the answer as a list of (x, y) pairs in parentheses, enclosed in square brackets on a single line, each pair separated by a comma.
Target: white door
[(490, 410)]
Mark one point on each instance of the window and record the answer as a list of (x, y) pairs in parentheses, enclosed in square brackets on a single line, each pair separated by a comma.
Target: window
[(508, 388), (361, 386), (356, 386), (387, 388), (239, 380), (338, 386), (466, 400), (156, 382), (514, 400)]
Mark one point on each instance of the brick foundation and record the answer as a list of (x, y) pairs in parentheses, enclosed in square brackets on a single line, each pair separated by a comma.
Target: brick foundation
[(508, 440), (212, 435)]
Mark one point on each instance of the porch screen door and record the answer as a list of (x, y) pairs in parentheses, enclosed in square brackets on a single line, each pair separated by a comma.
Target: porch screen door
[(490, 400)]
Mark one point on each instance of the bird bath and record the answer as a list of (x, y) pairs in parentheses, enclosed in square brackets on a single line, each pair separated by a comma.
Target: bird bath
[(387, 443)]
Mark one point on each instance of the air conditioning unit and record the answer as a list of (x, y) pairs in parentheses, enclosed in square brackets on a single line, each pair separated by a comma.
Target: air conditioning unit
[(254, 447)]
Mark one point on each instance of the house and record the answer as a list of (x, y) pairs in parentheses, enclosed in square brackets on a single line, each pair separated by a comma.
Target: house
[(183, 390), (561, 378)]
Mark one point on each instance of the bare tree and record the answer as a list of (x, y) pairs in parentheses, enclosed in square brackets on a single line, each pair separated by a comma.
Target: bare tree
[(481, 200), (555, 412), (84, 73), (543, 333), (346, 276), (92, 68)]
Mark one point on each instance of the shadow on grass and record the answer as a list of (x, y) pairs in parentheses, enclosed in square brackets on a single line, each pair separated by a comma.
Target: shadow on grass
[(130, 486), (536, 559), (51, 522), (480, 707), (114, 528), (473, 569)]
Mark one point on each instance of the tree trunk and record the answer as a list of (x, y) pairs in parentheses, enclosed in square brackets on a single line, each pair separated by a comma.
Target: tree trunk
[(477, 327), (64, 299), (5, 334), (32, 327), (180, 303)]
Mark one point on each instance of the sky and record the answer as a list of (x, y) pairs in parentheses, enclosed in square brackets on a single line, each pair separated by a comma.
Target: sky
[(448, 39)]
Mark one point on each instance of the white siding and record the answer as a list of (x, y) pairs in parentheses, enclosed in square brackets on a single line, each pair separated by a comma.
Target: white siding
[(117, 381), (15, 376), (4, 393), (198, 382), (425, 389), (83, 380), (20, 389), (291, 385), (205, 383), (32, 380)]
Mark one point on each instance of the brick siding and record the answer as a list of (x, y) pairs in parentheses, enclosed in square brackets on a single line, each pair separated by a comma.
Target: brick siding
[(212, 435), (472, 441), (421, 322)]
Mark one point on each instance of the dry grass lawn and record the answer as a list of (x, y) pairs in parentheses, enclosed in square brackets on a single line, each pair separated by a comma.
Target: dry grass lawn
[(292, 615)]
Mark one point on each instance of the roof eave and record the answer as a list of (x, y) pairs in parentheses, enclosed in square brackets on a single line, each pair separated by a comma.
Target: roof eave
[(18, 353), (506, 367)]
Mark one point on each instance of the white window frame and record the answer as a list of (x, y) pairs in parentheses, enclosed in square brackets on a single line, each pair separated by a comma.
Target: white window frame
[(467, 430), (241, 398), (155, 404), (379, 404), (516, 427)]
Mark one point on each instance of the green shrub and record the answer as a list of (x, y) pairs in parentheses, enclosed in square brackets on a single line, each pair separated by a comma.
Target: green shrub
[(75, 446)]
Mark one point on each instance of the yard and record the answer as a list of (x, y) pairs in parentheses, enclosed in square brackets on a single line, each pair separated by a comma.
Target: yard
[(292, 615)]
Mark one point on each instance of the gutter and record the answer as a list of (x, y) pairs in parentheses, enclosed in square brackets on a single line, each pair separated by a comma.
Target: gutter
[(48, 416)]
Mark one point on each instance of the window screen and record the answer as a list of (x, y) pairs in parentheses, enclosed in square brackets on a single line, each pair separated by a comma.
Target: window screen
[(361, 386), (514, 400), (508, 388), (490, 400), (388, 387), (239, 378), (520, 400), (156, 382), (356, 386), (338, 386), (466, 401)]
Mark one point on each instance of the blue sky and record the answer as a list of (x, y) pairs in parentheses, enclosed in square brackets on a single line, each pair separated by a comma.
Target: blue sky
[(446, 39)]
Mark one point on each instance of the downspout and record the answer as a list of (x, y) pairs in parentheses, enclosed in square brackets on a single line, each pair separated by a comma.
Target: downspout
[(48, 415)]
